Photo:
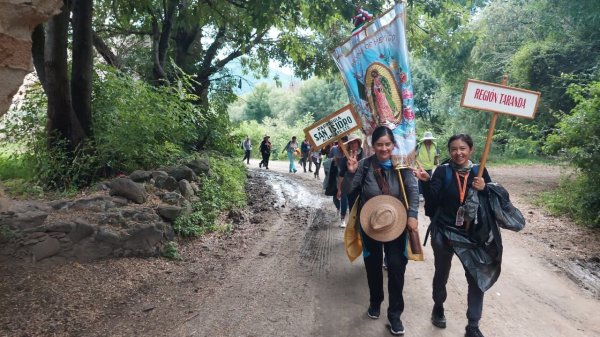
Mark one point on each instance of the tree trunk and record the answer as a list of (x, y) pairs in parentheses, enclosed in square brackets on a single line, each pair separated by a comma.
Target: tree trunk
[(81, 76), (60, 110), (38, 39)]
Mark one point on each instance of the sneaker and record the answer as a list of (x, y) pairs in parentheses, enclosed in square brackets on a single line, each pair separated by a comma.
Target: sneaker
[(260, 164), (295, 170), (396, 327), (373, 311), (421, 198), (437, 317), (343, 224), (473, 331)]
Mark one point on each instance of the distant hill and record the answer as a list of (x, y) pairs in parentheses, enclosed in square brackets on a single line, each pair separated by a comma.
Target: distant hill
[(249, 81)]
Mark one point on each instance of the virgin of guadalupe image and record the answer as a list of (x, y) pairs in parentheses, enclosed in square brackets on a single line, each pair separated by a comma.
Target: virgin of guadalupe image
[(383, 97)]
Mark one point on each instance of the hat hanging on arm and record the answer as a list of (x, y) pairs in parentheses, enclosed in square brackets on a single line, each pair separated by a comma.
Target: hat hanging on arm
[(383, 218), (427, 136)]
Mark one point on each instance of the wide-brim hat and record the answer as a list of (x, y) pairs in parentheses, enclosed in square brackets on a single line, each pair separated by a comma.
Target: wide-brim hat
[(427, 136), (383, 218), (353, 138)]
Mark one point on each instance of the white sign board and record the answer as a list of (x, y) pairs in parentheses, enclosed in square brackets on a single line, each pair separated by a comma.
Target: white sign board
[(500, 98), (332, 127)]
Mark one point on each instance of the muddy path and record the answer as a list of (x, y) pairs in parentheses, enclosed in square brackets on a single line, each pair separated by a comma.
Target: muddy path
[(283, 272)]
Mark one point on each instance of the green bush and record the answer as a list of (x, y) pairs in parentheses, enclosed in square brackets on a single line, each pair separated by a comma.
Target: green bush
[(221, 191), (577, 140), (576, 198), (137, 126)]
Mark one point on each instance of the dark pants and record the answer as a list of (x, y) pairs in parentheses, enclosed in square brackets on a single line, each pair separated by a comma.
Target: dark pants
[(265, 159), (396, 262), (443, 254), (247, 156), (303, 160), (421, 183), (317, 166)]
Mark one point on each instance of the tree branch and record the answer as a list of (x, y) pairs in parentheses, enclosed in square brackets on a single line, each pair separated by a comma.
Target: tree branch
[(104, 50)]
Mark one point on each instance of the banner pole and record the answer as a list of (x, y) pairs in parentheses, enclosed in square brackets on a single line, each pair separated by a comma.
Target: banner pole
[(490, 134)]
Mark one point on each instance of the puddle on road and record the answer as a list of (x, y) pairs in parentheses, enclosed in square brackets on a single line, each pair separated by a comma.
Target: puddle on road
[(289, 191)]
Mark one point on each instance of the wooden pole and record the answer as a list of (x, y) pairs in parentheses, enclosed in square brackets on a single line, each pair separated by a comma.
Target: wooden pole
[(490, 134)]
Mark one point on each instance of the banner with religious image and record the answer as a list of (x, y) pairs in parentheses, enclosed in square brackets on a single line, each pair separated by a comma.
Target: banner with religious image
[(374, 67)]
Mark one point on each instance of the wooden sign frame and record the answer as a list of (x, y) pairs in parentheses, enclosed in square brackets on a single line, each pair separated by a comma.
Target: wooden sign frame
[(327, 120)]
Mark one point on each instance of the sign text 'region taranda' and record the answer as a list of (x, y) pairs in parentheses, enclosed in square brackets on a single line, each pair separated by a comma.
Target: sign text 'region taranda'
[(499, 98)]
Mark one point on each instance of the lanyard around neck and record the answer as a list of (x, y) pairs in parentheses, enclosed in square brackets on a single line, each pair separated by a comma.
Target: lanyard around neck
[(462, 188)]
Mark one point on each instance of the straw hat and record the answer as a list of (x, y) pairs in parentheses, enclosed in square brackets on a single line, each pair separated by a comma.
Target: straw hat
[(353, 138), (383, 218), (427, 136)]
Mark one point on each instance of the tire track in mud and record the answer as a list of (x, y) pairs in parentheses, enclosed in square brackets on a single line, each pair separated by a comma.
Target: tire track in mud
[(315, 253)]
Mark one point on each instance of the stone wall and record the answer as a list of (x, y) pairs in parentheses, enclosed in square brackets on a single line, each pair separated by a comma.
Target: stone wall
[(127, 216)]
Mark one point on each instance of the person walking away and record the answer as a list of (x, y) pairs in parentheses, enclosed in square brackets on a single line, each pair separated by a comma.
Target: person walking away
[(428, 156), (315, 158), (353, 146), (384, 222), (445, 193), (291, 148), (337, 153), (304, 151), (247, 146), (265, 151)]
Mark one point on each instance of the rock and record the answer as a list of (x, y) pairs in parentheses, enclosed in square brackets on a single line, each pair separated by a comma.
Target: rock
[(140, 176), (182, 172), (127, 188), (65, 227), (105, 234), (168, 183), (172, 198), (159, 174), (143, 240), (195, 187), (82, 230), (94, 204), (186, 189), (120, 201), (59, 204), (169, 213), (46, 248), (30, 219), (200, 166)]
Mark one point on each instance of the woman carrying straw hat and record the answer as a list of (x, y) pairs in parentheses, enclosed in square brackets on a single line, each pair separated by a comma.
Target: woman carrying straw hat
[(384, 221)]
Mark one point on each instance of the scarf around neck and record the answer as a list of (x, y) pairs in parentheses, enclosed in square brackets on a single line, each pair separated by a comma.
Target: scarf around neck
[(462, 169), (386, 164)]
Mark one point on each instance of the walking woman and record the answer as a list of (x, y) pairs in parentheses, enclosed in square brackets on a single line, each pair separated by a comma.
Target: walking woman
[(384, 221), (265, 151), (291, 148), (445, 195)]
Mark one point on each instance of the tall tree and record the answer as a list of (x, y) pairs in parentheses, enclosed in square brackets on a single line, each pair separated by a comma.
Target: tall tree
[(81, 76)]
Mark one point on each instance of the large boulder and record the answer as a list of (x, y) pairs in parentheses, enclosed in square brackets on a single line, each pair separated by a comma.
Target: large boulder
[(181, 172), (200, 166), (129, 189)]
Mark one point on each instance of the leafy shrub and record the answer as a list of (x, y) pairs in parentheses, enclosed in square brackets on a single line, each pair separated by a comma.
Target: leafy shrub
[(138, 126), (221, 191), (171, 251)]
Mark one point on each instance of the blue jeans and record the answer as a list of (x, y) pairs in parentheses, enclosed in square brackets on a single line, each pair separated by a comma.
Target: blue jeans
[(292, 161), (341, 204)]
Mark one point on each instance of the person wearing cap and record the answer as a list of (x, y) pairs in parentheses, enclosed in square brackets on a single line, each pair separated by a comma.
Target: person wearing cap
[(428, 156), (445, 195), (353, 146), (265, 151), (384, 221)]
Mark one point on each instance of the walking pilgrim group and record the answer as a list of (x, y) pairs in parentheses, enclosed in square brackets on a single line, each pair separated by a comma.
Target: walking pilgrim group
[(387, 203)]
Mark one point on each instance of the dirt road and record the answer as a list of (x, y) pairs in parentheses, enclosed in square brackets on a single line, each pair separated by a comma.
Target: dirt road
[(305, 286), (283, 272)]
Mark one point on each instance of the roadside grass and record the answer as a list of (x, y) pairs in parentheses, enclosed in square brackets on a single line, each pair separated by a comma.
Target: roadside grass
[(574, 198), (219, 192)]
